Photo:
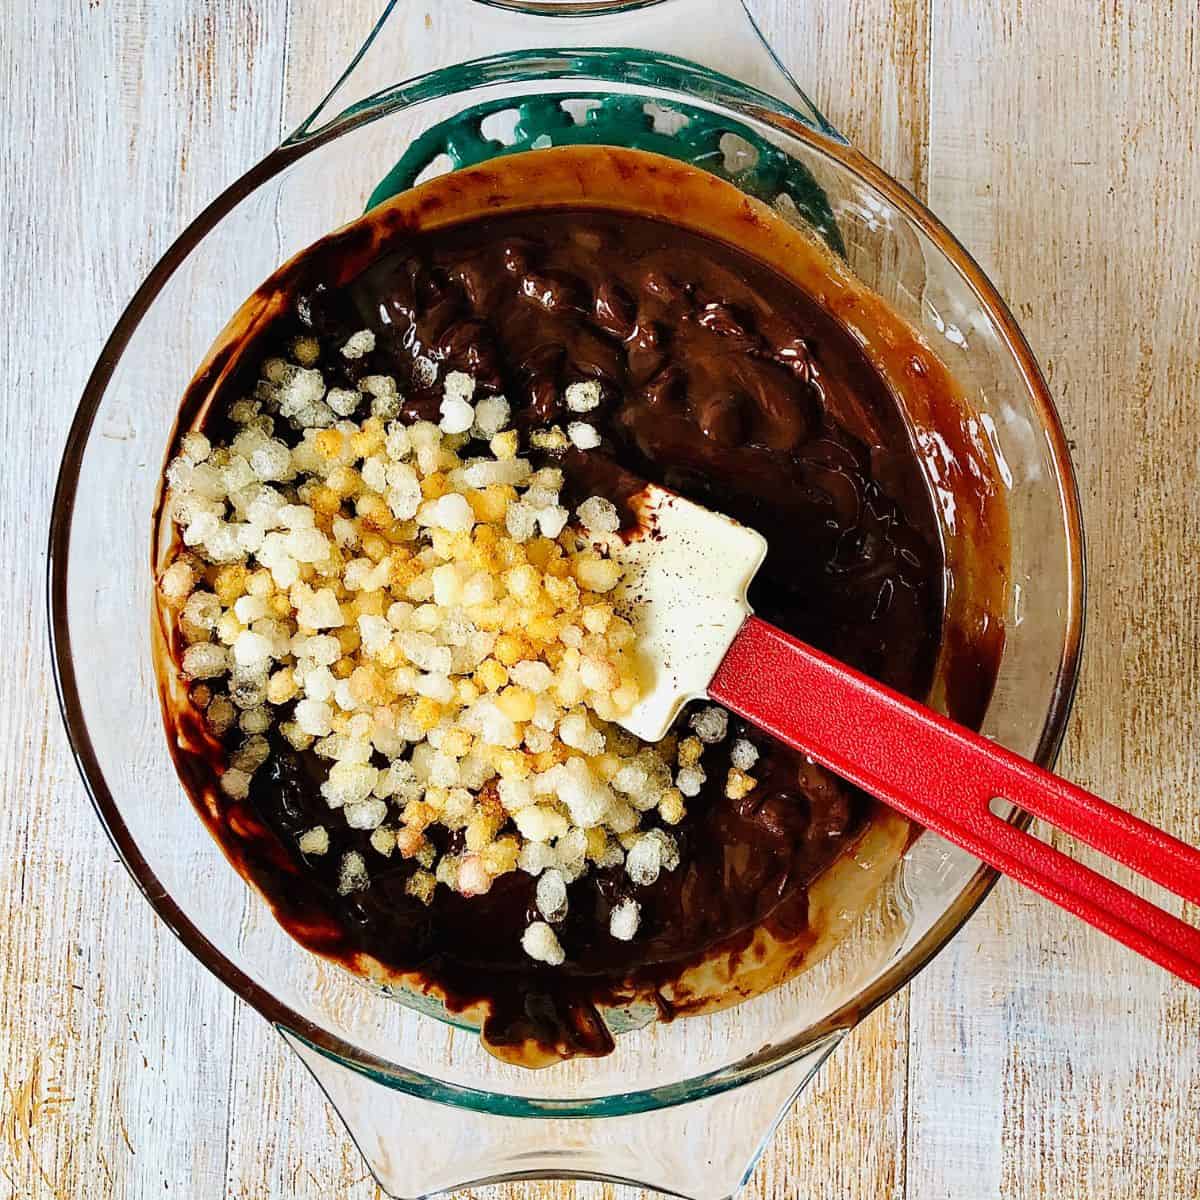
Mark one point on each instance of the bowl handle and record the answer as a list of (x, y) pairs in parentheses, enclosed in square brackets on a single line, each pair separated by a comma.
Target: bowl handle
[(413, 39), (700, 1150)]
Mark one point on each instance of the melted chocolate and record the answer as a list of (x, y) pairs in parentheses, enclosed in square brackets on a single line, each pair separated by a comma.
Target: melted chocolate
[(724, 381)]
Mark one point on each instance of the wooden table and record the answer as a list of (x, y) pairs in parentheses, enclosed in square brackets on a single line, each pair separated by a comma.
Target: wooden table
[(1059, 139)]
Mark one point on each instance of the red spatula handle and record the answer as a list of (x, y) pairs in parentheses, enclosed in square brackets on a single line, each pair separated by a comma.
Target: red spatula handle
[(945, 777)]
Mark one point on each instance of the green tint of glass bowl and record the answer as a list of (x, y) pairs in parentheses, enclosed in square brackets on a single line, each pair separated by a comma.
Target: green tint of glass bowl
[(714, 143)]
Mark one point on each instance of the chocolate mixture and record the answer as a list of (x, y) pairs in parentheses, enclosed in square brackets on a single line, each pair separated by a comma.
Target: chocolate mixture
[(725, 382)]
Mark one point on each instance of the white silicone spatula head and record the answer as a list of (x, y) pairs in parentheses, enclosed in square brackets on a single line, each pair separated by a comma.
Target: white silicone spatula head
[(686, 572)]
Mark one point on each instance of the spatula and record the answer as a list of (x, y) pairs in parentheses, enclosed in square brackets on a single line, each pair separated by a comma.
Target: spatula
[(685, 582)]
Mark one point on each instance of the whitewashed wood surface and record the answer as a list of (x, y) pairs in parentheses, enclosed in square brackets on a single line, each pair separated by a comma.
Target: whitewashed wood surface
[(1059, 138)]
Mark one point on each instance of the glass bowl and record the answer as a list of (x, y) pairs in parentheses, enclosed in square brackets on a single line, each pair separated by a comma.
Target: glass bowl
[(427, 1106)]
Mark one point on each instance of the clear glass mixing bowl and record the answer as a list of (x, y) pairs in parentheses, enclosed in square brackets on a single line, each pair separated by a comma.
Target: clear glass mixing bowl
[(427, 1106)]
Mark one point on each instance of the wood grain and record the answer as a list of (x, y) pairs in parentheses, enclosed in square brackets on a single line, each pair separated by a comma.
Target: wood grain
[(114, 1046), (1058, 152), (1032, 1059)]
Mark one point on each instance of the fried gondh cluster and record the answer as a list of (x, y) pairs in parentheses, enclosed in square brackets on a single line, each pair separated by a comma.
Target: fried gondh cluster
[(413, 604)]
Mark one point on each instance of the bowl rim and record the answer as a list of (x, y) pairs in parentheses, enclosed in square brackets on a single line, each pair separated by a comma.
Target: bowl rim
[(732, 1075)]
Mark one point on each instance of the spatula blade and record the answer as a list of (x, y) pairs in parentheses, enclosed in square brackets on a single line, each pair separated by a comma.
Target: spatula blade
[(686, 573)]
